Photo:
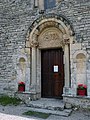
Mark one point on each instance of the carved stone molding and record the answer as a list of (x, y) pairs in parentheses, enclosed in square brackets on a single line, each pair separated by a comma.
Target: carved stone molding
[(34, 44), (50, 36), (53, 37), (66, 39), (52, 18)]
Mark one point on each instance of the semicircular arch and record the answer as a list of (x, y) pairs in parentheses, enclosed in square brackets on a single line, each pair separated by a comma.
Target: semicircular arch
[(44, 22)]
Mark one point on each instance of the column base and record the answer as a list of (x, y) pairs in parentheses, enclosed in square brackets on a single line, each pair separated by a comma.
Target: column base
[(69, 91)]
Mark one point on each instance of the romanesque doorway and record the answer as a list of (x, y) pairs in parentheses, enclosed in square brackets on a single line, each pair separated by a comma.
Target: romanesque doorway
[(52, 73), (45, 33)]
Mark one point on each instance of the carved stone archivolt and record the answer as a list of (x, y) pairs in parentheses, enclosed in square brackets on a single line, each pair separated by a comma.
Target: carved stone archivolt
[(50, 37), (49, 33), (54, 18)]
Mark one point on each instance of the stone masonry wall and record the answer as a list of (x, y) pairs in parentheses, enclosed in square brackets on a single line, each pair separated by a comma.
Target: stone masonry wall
[(16, 17)]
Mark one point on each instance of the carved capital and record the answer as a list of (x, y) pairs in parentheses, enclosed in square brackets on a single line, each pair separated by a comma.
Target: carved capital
[(34, 44), (66, 39)]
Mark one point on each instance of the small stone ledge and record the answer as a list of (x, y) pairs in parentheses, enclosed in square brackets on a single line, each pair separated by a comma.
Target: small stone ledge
[(80, 101), (26, 92), (74, 96), (27, 96)]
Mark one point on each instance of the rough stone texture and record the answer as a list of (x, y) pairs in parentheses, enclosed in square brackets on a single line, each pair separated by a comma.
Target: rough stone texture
[(16, 17), (68, 105), (82, 102), (49, 104), (11, 113), (27, 97)]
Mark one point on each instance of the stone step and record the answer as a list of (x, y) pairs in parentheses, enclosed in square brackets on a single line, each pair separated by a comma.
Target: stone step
[(52, 106), (49, 104), (65, 112)]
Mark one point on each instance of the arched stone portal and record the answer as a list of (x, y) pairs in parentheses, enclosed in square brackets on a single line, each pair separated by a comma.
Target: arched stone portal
[(49, 33)]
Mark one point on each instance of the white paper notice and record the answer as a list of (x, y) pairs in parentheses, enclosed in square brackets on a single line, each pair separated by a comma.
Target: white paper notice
[(55, 68)]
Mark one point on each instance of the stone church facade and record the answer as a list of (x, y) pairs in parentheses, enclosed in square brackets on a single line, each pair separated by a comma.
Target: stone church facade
[(33, 35)]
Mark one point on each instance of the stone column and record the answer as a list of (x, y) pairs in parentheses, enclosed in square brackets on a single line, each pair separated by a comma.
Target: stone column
[(88, 78), (88, 84), (41, 5), (67, 68), (36, 3), (34, 67), (66, 43), (38, 70), (27, 86)]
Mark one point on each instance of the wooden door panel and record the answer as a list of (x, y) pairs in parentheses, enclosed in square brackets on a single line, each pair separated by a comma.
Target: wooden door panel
[(52, 82)]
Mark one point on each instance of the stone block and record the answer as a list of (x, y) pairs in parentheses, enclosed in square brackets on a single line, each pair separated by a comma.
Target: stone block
[(68, 105), (76, 46)]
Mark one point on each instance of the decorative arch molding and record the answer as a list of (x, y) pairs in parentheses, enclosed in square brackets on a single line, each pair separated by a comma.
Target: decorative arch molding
[(59, 17), (46, 21)]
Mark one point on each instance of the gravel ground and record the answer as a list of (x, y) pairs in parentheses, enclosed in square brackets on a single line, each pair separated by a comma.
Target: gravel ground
[(15, 113)]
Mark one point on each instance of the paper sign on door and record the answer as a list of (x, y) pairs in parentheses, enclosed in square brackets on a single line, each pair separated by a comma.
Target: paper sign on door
[(55, 68)]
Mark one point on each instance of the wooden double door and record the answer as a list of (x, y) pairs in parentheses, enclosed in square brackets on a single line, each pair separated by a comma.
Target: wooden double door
[(52, 73)]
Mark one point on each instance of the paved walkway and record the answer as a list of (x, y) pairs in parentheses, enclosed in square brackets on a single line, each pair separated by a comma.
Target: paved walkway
[(15, 113)]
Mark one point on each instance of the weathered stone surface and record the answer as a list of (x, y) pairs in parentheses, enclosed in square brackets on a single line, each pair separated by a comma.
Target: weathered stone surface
[(83, 102), (17, 20)]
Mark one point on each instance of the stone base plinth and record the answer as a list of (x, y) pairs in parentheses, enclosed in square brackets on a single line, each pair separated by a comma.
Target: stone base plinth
[(27, 96), (78, 101)]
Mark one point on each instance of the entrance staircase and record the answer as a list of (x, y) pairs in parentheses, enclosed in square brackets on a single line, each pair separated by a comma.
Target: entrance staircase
[(52, 106)]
